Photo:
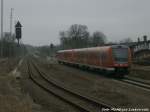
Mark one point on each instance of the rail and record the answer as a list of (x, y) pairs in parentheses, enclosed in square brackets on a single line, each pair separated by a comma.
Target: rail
[(81, 102)]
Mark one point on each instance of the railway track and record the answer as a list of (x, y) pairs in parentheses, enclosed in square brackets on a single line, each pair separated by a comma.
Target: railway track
[(83, 103), (136, 82), (132, 81)]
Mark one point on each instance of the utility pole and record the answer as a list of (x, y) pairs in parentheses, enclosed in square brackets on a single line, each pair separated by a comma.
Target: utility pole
[(2, 4), (10, 35), (1, 18), (11, 19)]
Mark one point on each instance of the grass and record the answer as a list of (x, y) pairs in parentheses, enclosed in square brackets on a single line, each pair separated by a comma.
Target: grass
[(10, 100), (10, 103), (140, 74)]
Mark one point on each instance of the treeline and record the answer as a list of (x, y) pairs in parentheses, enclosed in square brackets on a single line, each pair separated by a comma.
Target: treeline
[(9, 48), (44, 50), (78, 36), (48, 50)]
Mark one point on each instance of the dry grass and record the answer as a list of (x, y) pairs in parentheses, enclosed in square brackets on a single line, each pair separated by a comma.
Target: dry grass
[(12, 100), (10, 103), (142, 72)]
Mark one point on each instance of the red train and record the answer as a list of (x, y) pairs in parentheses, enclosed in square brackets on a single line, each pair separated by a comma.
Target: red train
[(112, 59)]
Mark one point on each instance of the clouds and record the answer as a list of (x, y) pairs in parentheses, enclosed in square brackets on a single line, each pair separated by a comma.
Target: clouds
[(43, 19)]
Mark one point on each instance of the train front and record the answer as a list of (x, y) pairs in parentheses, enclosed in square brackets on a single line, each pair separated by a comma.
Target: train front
[(121, 55)]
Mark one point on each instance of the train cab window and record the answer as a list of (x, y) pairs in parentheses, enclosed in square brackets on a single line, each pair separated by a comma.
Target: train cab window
[(120, 54)]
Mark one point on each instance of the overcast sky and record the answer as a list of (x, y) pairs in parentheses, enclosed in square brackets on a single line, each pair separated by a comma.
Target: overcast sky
[(42, 20)]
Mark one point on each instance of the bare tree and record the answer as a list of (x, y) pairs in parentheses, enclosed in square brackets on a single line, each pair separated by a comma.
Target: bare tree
[(10, 48), (64, 39), (75, 37), (98, 38), (79, 35)]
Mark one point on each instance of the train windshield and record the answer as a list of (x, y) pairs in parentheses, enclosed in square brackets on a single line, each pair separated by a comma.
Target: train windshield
[(120, 54)]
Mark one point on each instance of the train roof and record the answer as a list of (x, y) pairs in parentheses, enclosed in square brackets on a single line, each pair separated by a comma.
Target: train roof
[(95, 48)]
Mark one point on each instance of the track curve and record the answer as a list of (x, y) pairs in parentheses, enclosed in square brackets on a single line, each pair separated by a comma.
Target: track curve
[(83, 103)]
